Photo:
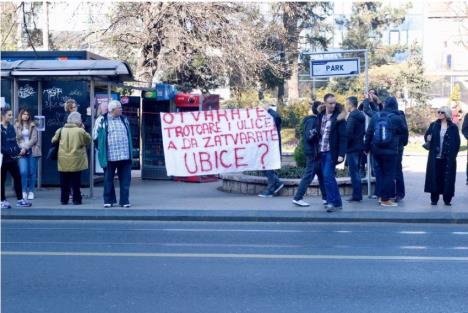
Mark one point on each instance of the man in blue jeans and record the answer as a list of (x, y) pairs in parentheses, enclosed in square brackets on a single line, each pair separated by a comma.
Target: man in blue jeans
[(114, 153), (313, 166), (355, 128), (331, 127), (274, 183)]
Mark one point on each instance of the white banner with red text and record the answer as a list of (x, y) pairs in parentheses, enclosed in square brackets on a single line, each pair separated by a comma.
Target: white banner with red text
[(219, 141)]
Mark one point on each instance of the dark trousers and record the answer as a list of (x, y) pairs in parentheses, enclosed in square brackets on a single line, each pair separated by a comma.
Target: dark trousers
[(329, 180), (312, 168), (70, 181), (387, 166), (273, 180), (440, 166), (124, 172), (353, 159), (13, 168), (399, 178), (378, 176)]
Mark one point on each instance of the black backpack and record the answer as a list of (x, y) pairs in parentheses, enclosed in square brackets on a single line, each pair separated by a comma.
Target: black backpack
[(383, 131)]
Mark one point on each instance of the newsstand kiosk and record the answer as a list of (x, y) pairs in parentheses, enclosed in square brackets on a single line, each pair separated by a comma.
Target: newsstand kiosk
[(154, 101), (196, 102)]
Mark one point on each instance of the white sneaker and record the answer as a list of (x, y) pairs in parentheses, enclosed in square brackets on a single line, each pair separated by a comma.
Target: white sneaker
[(31, 195), (300, 203), (25, 195), (107, 205)]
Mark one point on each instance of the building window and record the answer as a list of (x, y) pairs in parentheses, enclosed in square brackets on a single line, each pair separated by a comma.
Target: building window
[(394, 37)]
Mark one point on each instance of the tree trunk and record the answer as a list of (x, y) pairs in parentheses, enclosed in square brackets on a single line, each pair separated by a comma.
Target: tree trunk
[(293, 82)]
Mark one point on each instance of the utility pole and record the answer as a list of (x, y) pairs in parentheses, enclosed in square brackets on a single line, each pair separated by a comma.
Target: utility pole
[(45, 26)]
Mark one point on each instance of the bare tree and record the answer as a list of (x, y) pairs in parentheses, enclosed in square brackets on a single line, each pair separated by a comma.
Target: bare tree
[(202, 44)]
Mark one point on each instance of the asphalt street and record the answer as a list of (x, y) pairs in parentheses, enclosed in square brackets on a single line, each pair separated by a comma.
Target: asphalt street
[(68, 266)]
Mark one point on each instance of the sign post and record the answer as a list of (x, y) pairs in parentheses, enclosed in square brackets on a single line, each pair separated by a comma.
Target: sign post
[(344, 67)]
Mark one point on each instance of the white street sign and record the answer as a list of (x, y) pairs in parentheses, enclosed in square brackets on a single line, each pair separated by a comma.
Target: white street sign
[(335, 67)]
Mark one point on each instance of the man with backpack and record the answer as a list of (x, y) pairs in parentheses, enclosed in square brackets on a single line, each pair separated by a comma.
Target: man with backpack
[(386, 131)]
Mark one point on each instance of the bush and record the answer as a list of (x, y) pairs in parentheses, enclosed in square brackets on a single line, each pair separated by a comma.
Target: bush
[(418, 118), (299, 155)]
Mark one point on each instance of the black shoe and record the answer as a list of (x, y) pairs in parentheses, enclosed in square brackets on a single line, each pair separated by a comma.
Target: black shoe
[(64, 203), (353, 200), (433, 203), (447, 203)]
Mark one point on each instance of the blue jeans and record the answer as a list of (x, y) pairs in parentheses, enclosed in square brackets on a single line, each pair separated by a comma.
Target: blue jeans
[(273, 180), (399, 178), (312, 169), (387, 166), (124, 172), (28, 171), (329, 180), (378, 176), (353, 159)]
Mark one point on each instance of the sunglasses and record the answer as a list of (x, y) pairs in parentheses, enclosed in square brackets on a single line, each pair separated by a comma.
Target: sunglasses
[(440, 112)]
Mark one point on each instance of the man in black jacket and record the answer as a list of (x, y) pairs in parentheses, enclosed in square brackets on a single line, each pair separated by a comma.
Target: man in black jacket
[(386, 152), (331, 127), (310, 138), (355, 128), (465, 133)]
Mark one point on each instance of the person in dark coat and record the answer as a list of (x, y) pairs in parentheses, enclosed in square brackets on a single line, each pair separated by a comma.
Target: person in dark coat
[(274, 183), (10, 153), (310, 138), (465, 134), (355, 129), (386, 154), (371, 105), (444, 144), (331, 127)]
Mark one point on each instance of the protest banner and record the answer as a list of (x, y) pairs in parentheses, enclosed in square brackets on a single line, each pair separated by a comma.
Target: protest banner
[(219, 141)]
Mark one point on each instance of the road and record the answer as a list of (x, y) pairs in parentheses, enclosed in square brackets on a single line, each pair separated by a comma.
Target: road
[(233, 267)]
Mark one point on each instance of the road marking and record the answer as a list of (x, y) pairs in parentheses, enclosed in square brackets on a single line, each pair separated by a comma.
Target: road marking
[(405, 232), (173, 229), (460, 232), (153, 244), (413, 247), (342, 231), (240, 256)]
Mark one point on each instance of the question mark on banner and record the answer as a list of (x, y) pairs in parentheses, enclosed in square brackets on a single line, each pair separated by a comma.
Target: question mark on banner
[(262, 158)]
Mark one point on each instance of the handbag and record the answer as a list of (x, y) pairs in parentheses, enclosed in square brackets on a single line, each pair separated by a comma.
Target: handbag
[(52, 154)]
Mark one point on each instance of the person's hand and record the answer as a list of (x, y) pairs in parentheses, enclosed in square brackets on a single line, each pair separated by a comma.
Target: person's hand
[(429, 137), (23, 151), (340, 159)]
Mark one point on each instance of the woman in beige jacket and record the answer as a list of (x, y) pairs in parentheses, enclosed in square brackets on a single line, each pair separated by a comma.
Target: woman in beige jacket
[(72, 157), (27, 137)]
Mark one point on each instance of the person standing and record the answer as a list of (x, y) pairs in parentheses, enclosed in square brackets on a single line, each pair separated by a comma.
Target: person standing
[(114, 153), (331, 127), (10, 153), (274, 183), (355, 129), (386, 130), (27, 137), (311, 151), (444, 144), (465, 134), (72, 157), (400, 191)]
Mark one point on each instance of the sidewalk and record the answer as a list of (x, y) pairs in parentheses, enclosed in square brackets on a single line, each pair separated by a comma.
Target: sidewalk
[(169, 200)]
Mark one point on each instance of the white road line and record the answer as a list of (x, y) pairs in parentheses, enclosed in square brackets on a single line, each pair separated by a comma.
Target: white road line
[(405, 232), (152, 244), (414, 247), (460, 232), (240, 256)]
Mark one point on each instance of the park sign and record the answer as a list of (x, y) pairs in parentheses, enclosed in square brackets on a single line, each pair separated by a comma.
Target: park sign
[(219, 141), (334, 67)]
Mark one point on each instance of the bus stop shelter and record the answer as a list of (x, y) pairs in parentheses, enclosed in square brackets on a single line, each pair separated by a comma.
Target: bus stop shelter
[(50, 83)]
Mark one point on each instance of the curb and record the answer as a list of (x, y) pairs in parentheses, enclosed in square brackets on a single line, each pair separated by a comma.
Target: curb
[(235, 216)]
